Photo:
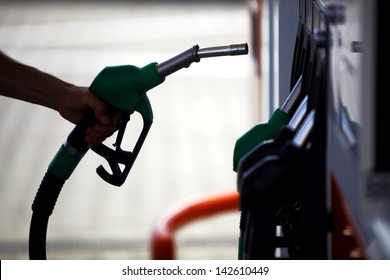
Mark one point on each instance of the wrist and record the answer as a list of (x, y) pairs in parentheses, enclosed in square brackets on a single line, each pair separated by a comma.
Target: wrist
[(58, 96)]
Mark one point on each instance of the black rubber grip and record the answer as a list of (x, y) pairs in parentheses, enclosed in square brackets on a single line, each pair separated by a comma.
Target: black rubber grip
[(43, 207), (47, 194)]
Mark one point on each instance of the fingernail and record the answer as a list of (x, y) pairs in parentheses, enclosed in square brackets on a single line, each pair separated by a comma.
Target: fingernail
[(105, 119)]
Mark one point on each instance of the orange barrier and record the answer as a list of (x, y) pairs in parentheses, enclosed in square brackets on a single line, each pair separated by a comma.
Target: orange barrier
[(163, 244)]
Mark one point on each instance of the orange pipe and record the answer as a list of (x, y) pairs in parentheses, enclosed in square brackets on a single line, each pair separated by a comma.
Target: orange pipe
[(163, 244)]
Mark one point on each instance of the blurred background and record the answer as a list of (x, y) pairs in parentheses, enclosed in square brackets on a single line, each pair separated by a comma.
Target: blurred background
[(199, 114)]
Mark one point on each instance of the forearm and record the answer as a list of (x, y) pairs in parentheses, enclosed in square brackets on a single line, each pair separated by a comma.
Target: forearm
[(30, 84)]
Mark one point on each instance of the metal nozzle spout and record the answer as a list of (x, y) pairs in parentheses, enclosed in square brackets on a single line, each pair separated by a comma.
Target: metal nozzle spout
[(194, 54), (237, 49)]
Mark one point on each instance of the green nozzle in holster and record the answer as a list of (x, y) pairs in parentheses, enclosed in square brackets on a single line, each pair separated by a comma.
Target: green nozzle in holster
[(267, 131), (258, 134)]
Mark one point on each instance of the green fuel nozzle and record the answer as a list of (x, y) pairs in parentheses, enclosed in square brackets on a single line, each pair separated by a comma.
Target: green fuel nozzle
[(124, 89), (268, 130)]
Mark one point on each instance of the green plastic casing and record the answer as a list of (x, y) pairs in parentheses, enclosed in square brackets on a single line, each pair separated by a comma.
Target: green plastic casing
[(63, 164), (125, 87), (258, 134)]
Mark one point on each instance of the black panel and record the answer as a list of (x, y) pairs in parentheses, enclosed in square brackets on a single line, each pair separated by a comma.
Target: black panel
[(382, 147)]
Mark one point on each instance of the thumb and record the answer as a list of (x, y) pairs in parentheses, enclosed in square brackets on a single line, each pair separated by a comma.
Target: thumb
[(99, 107)]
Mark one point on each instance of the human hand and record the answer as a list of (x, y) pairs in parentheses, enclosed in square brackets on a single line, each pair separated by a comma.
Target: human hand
[(73, 106)]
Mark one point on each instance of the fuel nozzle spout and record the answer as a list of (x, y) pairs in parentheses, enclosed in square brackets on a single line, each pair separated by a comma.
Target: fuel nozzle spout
[(194, 54)]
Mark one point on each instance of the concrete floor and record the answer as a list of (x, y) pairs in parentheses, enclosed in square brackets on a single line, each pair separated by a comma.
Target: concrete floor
[(199, 113)]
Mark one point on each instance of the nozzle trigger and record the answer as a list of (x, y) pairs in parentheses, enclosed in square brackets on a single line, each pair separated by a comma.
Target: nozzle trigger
[(117, 157)]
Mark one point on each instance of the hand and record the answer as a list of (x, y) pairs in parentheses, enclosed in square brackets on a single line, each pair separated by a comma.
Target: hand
[(74, 104)]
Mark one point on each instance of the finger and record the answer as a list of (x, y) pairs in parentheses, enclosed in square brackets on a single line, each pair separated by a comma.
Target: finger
[(100, 129), (99, 132), (93, 141), (117, 118), (99, 107), (93, 137)]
